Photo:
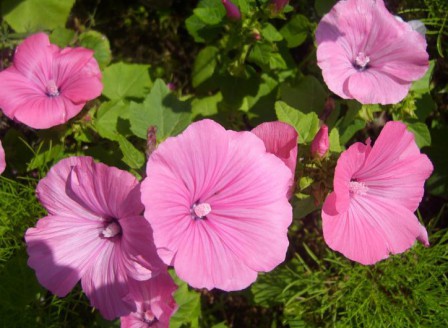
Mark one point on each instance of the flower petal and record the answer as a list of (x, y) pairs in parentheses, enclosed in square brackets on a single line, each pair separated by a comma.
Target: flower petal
[(61, 249), (370, 229), (2, 159)]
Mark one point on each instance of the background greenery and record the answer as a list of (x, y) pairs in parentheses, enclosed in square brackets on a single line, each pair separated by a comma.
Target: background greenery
[(168, 63)]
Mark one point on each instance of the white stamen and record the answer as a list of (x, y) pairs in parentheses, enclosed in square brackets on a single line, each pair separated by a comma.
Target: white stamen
[(357, 188), (201, 210), (111, 230), (52, 89), (362, 60)]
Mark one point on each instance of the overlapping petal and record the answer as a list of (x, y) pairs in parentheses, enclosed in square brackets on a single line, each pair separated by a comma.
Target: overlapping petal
[(244, 233)]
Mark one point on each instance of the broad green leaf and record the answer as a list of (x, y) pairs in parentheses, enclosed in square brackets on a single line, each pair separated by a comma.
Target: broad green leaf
[(307, 94), (106, 122), (99, 43), (62, 37), (260, 54), (421, 133), (204, 65), (200, 31), (351, 129), (207, 106), (303, 207), (189, 306), (265, 89), (35, 15), (306, 125), (211, 12), (423, 85), (162, 109), (131, 155), (276, 61), (335, 145), (123, 80), (296, 30), (270, 33)]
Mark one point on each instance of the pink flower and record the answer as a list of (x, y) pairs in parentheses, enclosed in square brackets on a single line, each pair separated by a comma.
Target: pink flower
[(321, 143), (368, 55), (2, 159), (94, 231), (280, 139), (47, 86), (155, 304), (217, 203), (232, 11), (376, 191)]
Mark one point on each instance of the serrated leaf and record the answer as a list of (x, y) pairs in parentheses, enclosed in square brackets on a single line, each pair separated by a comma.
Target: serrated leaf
[(296, 30), (335, 145), (131, 155), (200, 31), (204, 65), (421, 133), (306, 125), (260, 54), (189, 306), (99, 43), (207, 106), (270, 33), (34, 15), (123, 80), (307, 94), (106, 121), (210, 16), (162, 109)]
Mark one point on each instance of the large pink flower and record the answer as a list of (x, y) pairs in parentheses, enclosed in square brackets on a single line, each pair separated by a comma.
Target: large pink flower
[(377, 189), (2, 159), (216, 200), (155, 304), (94, 231), (46, 86), (368, 55)]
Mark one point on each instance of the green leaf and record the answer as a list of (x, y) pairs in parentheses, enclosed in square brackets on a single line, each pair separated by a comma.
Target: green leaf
[(423, 85), (296, 30), (421, 133), (123, 80), (307, 94), (335, 145), (131, 155), (107, 118), (210, 16), (204, 65), (260, 54), (303, 207), (62, 37), (34, 15), (162, 109), (306, 125), (189, 303), (200, 31), (46, 153), (323, 6), (270, 33), (99, 43), (265, 93), (207, 106), (351, 129)]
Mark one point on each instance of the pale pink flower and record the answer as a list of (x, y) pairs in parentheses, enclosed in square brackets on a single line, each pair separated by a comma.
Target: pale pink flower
[(232, 11), (370, 213), (94, 231), (280, 139), (2, 159), (368, 55), (155, 304), (217, 203), (46, 85), (320, 143)]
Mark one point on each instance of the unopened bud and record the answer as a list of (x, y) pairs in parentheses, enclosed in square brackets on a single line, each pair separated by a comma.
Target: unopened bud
[(232, 11), (321, 143)]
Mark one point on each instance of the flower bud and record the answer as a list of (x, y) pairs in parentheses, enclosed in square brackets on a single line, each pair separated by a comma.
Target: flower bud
[(279, 4), (320, 144), (232, 11)]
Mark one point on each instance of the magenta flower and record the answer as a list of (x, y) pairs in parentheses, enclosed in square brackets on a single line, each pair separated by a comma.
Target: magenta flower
[(94, 231), (280, 139), (47, 86), (217, 203), (232, 11), (368, 55), (320, 143), (155, 304), (2, 159), (377, 189)]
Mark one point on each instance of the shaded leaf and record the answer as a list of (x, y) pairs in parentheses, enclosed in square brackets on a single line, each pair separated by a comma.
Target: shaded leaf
[(99, 43)]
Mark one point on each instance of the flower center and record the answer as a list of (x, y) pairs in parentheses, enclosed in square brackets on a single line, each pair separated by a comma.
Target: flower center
[(361, 61), (52, 89), (111, 230), (149, 318), (357, 188), (201, 210)]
